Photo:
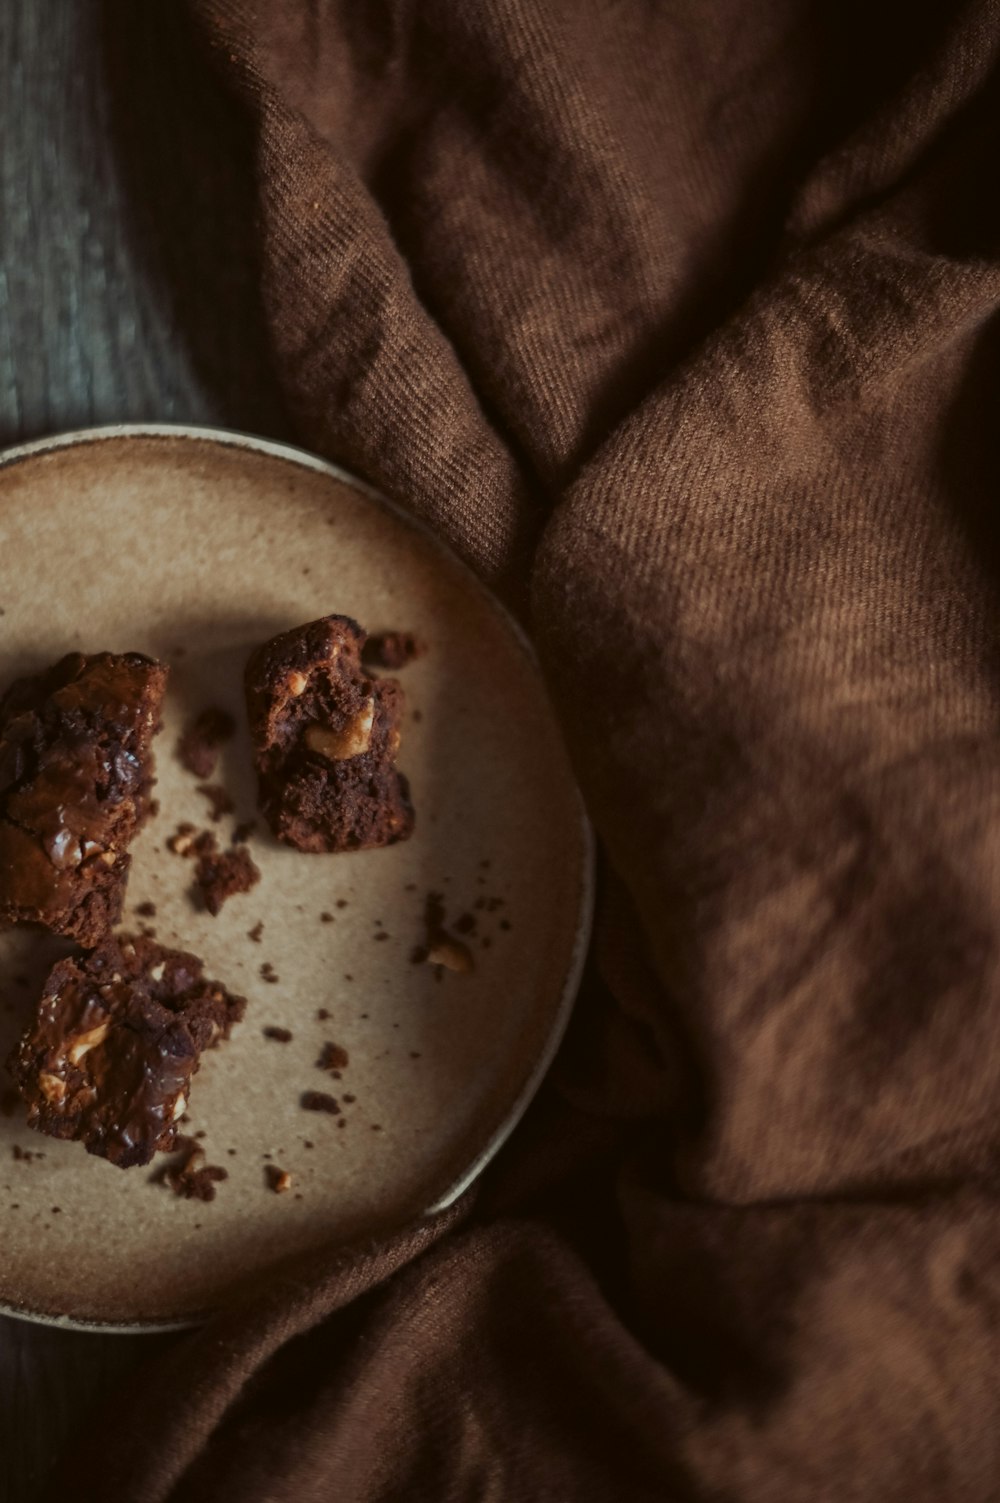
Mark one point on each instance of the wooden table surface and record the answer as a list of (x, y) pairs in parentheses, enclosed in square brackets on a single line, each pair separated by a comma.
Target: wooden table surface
[(127, 293)]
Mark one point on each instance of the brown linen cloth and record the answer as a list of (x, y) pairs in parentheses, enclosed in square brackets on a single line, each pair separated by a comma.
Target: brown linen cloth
[(679, 320)]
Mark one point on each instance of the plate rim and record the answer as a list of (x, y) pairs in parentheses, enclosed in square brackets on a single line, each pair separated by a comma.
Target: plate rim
[(306, 459)]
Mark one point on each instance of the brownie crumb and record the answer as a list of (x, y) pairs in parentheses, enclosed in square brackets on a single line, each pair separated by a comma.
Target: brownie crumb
[(381, 935), (333, 1057), (154, 807), (308, 1143), (349, 1099), (415, 1054), (319, 1101), (256, 932), (376, 1127), (465, 923), (392, 649), (221, 875), (326, 918), (146, 910), (268, 973), (242, 832), (201, 741), (322, 1013), (342, 1122), (24, 1155), (182, 840), (219, 800), (279, 1035), (278, 1180), (56, 1210), (505, 924), (439, 948), (9, 1102), (188, 1175), (340, 903), (231, 1152)]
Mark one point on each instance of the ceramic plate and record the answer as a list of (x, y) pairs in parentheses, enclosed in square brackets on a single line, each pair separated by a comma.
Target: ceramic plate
[(194, 546)]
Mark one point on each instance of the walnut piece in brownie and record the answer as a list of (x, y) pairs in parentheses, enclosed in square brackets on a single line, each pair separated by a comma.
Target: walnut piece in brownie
[(76, 771), (117, 1037), (326, 735), (222, 874), (202, 739)]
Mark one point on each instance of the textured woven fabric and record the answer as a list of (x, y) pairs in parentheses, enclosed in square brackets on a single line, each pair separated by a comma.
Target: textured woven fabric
[(679, 321)]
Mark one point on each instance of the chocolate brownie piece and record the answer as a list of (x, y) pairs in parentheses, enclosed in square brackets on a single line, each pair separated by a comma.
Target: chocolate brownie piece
[(116, 1039), (222, 874), (76, 771), (326, 735)]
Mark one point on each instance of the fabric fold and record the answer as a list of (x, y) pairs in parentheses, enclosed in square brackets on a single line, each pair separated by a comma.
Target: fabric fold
[(680, 323)]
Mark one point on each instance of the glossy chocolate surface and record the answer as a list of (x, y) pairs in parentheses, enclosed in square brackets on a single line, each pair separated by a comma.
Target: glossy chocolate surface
[(75, 777), (117, 1037)]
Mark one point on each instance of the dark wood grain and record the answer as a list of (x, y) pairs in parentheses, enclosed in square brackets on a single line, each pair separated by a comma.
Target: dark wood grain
[(128, 292)]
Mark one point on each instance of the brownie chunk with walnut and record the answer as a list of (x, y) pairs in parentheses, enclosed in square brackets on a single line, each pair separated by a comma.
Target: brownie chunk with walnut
[(117, 1037), (326, 735), (75, 777)]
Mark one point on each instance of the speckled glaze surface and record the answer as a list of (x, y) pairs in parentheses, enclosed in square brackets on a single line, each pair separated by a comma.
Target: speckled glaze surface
[(195, 546)]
